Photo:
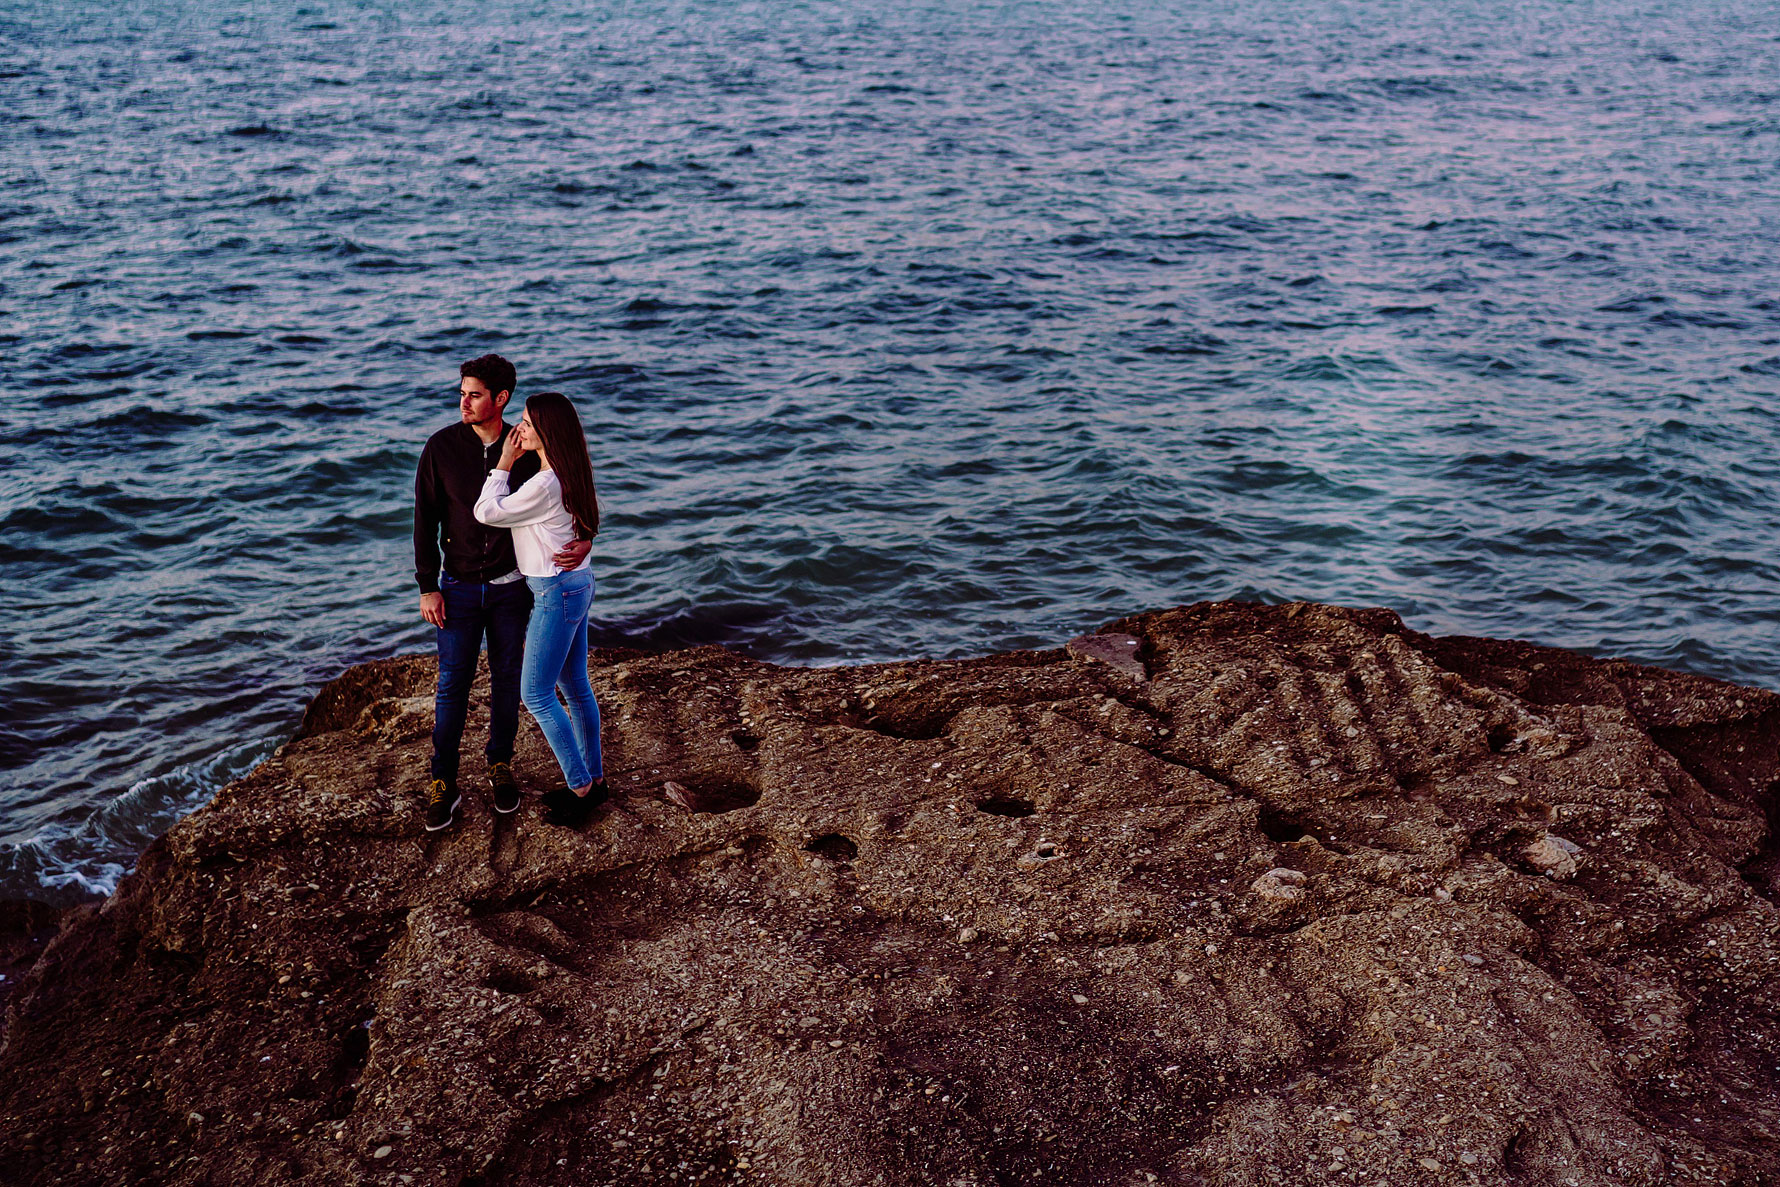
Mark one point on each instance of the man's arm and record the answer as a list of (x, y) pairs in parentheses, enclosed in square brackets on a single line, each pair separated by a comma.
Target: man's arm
[(573, 553), (428, 510)]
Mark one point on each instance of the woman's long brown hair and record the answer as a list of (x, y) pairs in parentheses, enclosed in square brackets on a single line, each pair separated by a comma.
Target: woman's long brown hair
[(559, 432)]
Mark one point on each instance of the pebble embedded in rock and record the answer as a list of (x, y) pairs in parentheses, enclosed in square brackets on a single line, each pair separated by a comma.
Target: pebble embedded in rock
[(1117, 651), (1282, 885), (1553, 856)]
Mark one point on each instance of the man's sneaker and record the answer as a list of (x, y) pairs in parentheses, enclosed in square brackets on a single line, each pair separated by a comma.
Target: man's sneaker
[(563, 807), (442, 800), (506, 791)]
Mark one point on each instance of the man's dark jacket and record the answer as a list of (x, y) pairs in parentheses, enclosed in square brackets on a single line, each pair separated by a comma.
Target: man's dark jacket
[(453, 467)]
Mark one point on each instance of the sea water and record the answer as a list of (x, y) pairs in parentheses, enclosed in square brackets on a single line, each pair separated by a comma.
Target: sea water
[(914, 329)]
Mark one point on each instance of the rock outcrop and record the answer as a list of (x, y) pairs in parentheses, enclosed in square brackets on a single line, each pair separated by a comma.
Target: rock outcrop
[(1274, 895)]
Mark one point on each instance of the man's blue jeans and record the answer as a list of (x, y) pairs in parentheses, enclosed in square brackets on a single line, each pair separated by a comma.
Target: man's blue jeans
[(556, 657), (471, 611)]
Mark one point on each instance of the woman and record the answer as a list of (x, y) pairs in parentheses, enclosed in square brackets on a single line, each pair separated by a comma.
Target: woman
[(548, 510)]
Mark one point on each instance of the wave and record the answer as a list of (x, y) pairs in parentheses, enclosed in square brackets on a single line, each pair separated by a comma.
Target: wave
[(67, 862)]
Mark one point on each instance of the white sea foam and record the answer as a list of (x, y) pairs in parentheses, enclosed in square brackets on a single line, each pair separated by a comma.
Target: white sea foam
[(67, 862)]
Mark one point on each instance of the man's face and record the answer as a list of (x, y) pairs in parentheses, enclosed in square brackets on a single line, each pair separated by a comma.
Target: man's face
[(479, 405)]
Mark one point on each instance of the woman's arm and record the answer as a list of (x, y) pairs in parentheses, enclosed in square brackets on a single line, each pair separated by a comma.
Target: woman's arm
[(534, 502)]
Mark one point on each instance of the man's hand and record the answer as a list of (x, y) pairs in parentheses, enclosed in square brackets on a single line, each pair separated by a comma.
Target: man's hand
[(572, 554), (432, 608)]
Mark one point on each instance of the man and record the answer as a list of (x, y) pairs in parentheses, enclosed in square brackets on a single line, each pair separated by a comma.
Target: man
[(480, 591)]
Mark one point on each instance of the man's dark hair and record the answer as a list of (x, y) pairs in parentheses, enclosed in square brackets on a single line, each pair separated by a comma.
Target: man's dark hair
[(495, 372)]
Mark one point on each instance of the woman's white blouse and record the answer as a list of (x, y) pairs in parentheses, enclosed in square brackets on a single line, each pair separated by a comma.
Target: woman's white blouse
[(541, 525)]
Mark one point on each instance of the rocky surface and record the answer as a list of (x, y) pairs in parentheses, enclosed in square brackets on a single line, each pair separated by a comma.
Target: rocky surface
[(25, 927), (1305, 898)]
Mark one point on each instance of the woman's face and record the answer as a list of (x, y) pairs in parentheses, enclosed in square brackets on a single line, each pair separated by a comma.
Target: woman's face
[(528, 436)]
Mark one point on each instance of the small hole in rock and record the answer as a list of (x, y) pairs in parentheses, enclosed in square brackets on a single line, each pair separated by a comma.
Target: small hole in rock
[(834, 847), (1504, 739), (712, 797), (507, 981), (745, 740), (1282, 829), (1006, 806)]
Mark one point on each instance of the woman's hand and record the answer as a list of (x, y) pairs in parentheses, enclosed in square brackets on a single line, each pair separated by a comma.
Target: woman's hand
[(510, 449)]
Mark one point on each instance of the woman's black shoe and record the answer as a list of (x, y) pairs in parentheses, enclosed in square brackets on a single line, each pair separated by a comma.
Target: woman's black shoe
[(565, 808)]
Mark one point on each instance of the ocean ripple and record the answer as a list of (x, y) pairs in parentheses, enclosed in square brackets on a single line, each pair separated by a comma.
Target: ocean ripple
[(930, 329)]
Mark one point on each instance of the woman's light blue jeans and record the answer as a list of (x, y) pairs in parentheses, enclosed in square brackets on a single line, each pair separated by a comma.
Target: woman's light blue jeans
[(556, 657)]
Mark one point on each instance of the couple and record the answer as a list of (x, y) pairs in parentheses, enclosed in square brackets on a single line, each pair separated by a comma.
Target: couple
[(513, 508)]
